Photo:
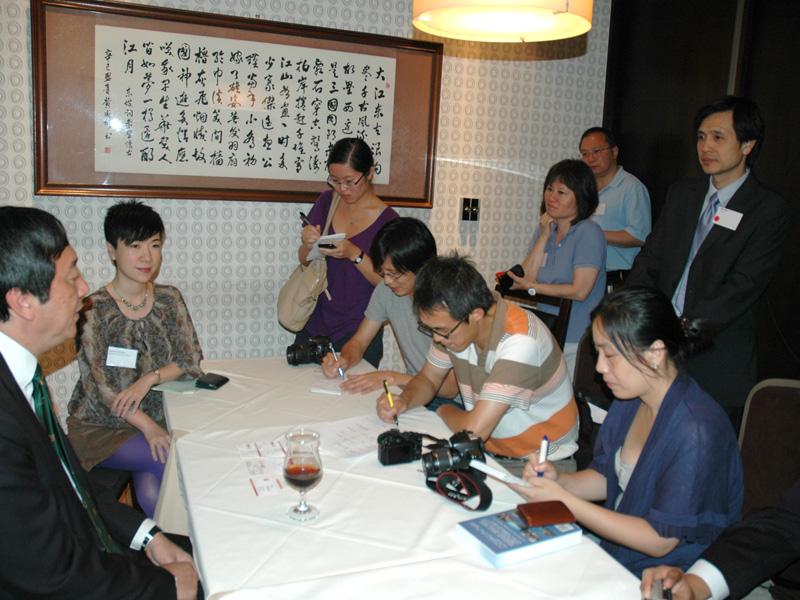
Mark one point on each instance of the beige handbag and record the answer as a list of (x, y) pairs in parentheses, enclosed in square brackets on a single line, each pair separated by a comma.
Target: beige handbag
[(298, 296)]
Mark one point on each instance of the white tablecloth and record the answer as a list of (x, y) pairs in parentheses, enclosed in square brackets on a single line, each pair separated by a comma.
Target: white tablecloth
[(381, 532)]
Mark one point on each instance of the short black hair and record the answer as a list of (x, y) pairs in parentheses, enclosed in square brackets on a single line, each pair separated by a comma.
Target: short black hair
[(451, 283), (407, 241), (131, 221), (747, 121), (31, 241), (610, 139), (353, 152), (577, 176), (635, 317)]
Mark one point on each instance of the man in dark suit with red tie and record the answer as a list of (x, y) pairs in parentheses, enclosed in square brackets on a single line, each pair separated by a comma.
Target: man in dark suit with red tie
[(63, 538), (716, 245)]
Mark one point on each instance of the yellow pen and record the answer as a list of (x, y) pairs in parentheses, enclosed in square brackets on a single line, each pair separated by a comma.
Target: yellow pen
[(391, 402)]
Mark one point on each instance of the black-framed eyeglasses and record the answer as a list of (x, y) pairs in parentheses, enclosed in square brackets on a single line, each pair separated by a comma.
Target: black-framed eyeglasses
[(431, 332), (344, 184), (589, 153)]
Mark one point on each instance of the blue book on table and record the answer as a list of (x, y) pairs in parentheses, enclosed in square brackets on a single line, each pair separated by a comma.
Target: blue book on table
[(504, 539)]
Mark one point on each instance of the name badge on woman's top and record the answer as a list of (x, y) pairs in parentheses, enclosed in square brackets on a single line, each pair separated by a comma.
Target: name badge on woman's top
[(121, 357)]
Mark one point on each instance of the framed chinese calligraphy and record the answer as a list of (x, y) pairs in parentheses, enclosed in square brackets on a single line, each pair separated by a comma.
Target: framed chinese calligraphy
[(142, 101)]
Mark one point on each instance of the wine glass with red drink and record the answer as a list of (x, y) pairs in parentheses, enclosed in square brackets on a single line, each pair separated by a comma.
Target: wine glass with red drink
[(302, 469)]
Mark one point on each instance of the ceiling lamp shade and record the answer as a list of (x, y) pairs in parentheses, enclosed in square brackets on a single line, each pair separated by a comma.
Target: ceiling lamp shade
[(504, 21)]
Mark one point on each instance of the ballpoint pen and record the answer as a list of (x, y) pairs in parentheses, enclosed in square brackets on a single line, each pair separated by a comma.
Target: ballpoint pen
[(391, 402), (305, 219), (336, 358), (543, 450)]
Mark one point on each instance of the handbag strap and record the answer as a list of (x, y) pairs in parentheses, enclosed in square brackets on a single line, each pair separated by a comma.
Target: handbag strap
[(331, 211)]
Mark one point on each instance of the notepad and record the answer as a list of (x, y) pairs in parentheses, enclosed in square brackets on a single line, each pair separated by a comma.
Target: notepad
[(325, 239), (327, 386)]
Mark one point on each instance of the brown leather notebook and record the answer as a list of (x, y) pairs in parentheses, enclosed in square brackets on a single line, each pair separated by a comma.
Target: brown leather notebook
[(539, 514)]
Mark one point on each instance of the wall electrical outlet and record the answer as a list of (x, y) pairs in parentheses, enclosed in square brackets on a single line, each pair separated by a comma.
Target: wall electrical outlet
[(470, 209)]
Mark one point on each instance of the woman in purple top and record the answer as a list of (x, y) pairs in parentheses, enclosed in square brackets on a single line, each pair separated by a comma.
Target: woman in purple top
[(351, 274), (666, 462)]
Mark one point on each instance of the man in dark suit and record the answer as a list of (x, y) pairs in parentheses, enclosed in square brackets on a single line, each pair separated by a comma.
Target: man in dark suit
[(54, 547), (716, 245), (744, 555)]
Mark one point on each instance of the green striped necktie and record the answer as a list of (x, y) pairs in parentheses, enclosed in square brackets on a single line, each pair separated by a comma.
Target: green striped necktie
[(44, 411)]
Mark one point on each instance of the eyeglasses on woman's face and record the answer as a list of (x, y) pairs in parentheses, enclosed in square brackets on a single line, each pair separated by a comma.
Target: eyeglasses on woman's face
[(344, 185), (391, 276)]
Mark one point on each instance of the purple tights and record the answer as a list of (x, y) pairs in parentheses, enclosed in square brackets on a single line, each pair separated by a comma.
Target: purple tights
[(135, 456)]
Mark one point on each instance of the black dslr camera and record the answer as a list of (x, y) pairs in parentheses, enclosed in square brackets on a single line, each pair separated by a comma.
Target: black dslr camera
[(312, 351), (453, 454), (397, 447)]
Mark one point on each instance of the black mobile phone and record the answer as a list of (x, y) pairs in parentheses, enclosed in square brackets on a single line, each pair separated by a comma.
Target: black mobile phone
[(211, 381), (506, 282), (328, 246)]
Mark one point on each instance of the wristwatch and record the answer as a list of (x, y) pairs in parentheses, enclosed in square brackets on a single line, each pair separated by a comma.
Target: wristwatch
[(148, 537), (359, 259), (531, 291)]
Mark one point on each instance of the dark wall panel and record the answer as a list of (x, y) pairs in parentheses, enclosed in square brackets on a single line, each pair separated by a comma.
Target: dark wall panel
[(770, 54), (666, 59)]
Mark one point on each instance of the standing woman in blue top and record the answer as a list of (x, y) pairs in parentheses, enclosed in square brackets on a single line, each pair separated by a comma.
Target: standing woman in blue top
[(666, 461), (567, 257)]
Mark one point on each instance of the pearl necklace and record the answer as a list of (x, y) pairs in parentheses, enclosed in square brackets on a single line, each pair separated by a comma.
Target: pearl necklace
[(128, 304)]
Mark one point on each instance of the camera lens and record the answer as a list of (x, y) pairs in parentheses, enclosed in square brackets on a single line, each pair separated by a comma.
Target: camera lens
[(437, 461), (297, 354)]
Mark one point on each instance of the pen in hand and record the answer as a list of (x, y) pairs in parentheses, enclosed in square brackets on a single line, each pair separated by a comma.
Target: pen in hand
[(543, 450), (305, 219), (391, 402), (336, 358)]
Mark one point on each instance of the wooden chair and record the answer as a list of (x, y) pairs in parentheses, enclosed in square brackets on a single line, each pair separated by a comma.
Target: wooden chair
[(768, 441), (557, 323), (119, 482), (590, 392)]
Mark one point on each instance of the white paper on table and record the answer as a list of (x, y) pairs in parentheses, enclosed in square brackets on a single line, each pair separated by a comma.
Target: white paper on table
[(327, 386), (352, 438), (178, 386), (266, 486)]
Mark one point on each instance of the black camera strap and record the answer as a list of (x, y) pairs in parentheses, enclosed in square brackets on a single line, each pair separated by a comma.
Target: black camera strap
[(463, 487)]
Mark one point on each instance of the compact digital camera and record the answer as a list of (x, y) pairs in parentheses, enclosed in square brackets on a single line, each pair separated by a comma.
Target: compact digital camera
[(453, 454), (397, 447), (312, 351)]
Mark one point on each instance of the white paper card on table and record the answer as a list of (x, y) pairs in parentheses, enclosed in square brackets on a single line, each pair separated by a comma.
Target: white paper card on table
[(266, 486), (352, 438), (259, 466), (327, 386), (325, 239), (179, 387), (261, 450)]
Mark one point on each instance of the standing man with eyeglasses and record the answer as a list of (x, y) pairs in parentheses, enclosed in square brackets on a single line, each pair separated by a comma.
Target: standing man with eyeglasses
[(624, 208), (716, 245), (510, 371)]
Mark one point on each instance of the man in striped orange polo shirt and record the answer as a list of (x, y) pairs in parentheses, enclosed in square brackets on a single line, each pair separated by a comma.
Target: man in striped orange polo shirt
[(510, 372)]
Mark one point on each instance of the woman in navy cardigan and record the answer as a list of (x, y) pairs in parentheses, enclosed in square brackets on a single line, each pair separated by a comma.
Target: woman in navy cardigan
[(666, 461)]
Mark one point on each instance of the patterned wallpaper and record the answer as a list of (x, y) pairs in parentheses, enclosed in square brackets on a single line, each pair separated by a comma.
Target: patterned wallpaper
[(508, 112)]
